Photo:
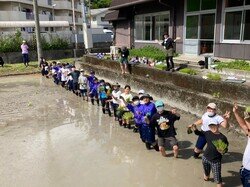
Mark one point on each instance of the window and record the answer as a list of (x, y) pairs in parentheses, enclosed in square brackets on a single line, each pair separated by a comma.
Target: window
[(192, 27), (193, 5), (161, 26), (147, 28), (247, 26), (247, 2), (237, 20), (197, 5), (207, 26), (152, 26), (234, 3), (139, 27), (208, 4), (200, 24), (233, 25)]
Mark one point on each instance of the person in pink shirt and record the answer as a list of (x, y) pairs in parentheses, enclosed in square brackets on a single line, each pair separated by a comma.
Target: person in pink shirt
[(25, 53)]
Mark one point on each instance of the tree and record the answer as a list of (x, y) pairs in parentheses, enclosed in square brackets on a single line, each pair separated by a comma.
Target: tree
[(100, 3)]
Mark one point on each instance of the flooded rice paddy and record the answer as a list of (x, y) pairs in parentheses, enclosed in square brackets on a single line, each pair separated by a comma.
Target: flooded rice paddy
[(50, 137)]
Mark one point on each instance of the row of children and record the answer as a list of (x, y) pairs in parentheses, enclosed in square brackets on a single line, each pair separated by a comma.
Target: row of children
[(150, 118)]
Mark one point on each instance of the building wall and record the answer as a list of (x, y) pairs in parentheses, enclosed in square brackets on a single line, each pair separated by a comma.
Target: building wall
[(176, 21), (15, 11), (179, 25), (122, 33), (98, 23), (228, 50)]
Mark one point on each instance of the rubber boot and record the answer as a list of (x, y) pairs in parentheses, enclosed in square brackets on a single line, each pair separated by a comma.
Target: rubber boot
[(109, 112), (148, 145), (103, 110), (97, 102), (92, 101)]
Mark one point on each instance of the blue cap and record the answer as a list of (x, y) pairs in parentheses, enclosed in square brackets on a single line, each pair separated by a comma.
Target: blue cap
[(159, 103)]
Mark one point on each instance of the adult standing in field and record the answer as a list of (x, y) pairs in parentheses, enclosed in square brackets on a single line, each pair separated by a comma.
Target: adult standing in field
[(168, 44), (245, 125), (25, 53), (124, 59)]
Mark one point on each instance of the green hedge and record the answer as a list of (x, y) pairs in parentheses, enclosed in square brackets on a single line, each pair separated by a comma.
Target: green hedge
[(53, 44), (12, 43), (149, 52), (237, 64), (188, 71)]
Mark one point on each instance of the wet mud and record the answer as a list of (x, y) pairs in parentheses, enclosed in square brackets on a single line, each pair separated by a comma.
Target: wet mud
[(50, 137)]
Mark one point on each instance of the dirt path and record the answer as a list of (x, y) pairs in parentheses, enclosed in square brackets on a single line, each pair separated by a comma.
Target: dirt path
[(49, 137)]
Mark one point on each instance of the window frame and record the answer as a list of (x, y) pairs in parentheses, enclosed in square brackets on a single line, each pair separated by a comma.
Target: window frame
[(143, 24), (199, 14), (242, 27)]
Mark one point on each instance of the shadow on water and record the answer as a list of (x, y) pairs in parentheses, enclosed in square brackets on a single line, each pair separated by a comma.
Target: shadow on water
[(186, 153), (185, 150), (184, 144), (232, 157), (233, 180)]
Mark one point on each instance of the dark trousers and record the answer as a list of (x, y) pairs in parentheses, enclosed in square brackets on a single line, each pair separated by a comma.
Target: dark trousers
[(93, 97), (147, 133), (245, 177), (105, 106), (70, 85), (115, 106), (170, 62), (214, 166), (25, 59), (56, 81)]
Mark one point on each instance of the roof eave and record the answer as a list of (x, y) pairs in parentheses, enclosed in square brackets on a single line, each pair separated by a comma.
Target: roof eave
[(128, 4)]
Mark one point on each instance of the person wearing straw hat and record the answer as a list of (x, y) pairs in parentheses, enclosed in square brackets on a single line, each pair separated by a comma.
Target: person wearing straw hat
[(147, 129), (245, 125)]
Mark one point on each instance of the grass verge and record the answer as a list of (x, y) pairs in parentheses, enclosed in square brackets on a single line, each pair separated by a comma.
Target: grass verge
[(237, 64), (15, 69), (188, 71)]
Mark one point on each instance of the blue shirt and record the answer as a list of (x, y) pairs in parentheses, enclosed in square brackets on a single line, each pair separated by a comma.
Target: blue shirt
[(147, 110), (136, 110)]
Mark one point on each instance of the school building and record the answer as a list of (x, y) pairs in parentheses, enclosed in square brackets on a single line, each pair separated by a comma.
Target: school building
[(217, 27)]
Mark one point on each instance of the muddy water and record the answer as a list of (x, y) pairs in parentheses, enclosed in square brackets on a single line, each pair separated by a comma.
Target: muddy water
[(49, 137)]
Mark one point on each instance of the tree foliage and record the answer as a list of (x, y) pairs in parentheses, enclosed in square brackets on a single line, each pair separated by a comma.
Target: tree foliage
[(100, 3)]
